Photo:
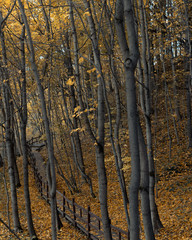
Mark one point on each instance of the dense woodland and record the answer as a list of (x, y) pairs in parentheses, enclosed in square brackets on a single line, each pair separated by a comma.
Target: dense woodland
[(105, 88)]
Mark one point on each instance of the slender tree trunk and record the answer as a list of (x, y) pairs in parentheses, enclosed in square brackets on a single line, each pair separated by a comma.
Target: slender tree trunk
[(77, 75), (115, 139), (188, 37), (166, 107), (76, 137), (154, 215), (52, 176), (141, 84), (16, 170), (18, 148), (189, 115), (9, 132), (23, 123), (101, 171), (175, 91), (188, 67), (7, 194), (144, 187)]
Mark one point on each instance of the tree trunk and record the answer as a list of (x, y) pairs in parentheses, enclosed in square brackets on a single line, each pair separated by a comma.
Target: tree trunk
[(147, 112), (130, 58), (101, 171), (9, 132), (52, 182), (77, 141), (23, 123)]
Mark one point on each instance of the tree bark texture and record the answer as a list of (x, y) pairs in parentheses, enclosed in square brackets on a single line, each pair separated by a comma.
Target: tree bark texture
[(130, 53), (23, 124)]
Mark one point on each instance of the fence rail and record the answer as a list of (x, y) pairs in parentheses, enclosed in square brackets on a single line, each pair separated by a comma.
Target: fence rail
[(83, 219), (34, 140)]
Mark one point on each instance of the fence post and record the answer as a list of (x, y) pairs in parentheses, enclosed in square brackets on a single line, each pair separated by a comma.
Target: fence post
[(110, 227), (41, 183), (47, 192), (74, 212), (119, 235), (99, 224), (37, 181), (35, 174), (44, 189), (88, 222), (63, 203)]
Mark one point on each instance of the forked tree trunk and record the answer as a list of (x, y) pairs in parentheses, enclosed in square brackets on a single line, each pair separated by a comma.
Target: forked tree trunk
[(114, 136), (130, 57)]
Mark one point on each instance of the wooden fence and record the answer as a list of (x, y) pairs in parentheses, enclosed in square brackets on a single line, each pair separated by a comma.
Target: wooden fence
[(34, 140), (83, 219)]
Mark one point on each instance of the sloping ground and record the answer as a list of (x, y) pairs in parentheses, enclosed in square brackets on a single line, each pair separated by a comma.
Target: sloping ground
[(175, 206), (174, 187), (174, 199), (41, 215)]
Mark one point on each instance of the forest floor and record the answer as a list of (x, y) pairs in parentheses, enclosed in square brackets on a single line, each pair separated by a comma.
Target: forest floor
[(173, 190)]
